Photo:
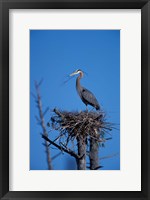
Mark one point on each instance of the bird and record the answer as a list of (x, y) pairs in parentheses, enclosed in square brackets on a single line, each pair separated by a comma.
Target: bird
[(86, 96)]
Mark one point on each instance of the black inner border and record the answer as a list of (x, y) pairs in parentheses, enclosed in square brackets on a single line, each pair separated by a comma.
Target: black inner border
[(5, 5)]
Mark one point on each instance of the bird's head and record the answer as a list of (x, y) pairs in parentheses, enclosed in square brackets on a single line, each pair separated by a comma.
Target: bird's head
[(78, 71)]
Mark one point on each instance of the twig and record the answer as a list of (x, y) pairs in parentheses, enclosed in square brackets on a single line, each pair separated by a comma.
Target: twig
[(58, 154), (56, 139), (46, 110), (110, 156), (58, 113), (94, 168)]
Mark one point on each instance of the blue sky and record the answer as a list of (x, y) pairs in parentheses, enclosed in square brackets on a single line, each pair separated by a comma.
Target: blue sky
[(54, 54)]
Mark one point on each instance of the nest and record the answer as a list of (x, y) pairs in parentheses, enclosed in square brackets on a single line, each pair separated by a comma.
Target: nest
[(80, 124)]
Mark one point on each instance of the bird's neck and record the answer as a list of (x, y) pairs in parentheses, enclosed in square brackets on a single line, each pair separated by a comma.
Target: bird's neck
[(78, 85)]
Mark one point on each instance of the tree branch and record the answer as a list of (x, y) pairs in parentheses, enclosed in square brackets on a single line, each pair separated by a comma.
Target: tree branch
[(42, 123), (110, 156), (65, 149)]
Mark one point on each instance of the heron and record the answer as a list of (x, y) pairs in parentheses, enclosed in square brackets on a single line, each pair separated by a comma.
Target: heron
[(86, 96)]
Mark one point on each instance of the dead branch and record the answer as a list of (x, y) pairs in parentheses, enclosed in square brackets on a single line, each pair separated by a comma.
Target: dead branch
[(65, 149), (42, 123), (109, 156)]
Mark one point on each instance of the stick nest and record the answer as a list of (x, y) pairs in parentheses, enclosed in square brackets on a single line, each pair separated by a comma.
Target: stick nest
[(80, 124)]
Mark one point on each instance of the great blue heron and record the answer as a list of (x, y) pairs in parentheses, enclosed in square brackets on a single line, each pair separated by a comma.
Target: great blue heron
[(86, 96)]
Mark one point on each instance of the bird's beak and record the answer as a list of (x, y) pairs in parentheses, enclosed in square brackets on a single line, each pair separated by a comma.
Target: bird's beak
[(74, 73)]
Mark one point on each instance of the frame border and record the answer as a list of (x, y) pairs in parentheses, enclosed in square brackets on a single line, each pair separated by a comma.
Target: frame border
[(5, 5)]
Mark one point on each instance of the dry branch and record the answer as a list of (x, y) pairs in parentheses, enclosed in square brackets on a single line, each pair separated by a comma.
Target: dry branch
[(42, 123), (65, 149)]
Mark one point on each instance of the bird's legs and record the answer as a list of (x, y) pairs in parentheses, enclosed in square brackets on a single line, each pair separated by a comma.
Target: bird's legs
[(92, 109), (86, 108)]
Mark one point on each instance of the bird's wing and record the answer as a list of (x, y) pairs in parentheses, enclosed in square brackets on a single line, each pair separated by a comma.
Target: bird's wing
[(89, 97)]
